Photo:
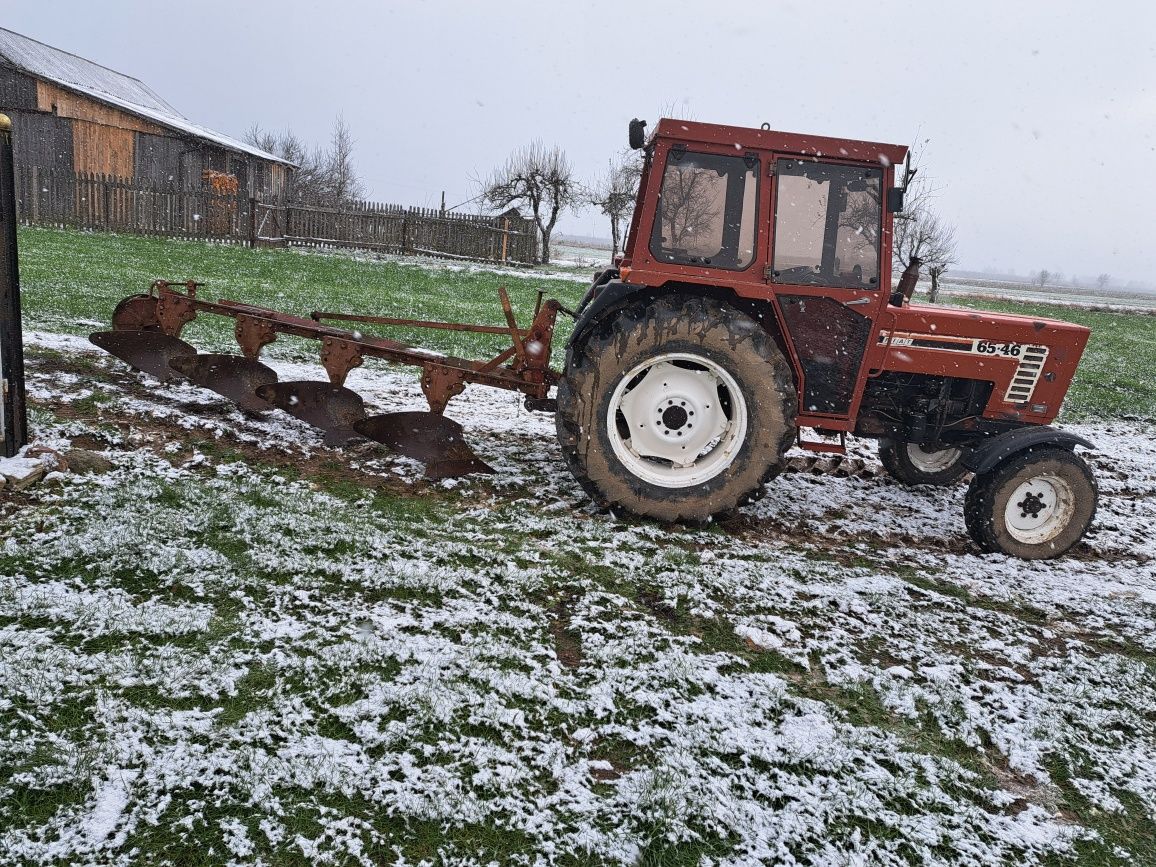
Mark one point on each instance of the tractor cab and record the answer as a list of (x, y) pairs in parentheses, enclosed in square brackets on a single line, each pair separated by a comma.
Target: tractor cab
[(771, 208), (802, 223)]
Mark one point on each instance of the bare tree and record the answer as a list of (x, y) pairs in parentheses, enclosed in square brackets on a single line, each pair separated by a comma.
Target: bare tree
[(309, 174), (540, 178), (614, 192), (342, 182), (266, 140), (919, 232), (1043, 276), (923, 235), (1103, 280), (322, 177), (687, 205)]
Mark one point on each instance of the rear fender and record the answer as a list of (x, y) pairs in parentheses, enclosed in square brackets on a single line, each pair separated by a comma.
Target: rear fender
[(602, 301), (991, 452), (601, 298)]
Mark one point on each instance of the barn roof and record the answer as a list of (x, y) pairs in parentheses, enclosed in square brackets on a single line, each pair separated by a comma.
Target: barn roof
[(110, 87)]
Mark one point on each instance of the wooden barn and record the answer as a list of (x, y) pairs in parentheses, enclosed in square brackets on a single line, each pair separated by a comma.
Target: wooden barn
[(71, 115)]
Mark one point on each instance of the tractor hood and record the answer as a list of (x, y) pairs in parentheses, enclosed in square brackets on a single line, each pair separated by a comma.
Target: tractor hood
[(1064, 340), (1030, 361)]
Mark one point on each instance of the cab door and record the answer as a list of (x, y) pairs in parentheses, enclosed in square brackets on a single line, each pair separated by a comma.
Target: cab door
[(823, 265)]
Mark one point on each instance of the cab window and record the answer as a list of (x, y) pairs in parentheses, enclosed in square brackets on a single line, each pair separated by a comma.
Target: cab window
[(828, 220), (707, 210)]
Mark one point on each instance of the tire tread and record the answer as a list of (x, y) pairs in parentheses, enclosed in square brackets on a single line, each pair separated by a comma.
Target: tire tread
[(574, 388)]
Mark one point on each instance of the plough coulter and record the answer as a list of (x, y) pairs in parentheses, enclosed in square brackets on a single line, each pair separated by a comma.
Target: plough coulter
[(146, 334), (753, 301)]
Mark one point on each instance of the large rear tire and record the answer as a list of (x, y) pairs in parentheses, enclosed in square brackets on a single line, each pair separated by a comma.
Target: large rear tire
[(678, 410), (1035, 505)]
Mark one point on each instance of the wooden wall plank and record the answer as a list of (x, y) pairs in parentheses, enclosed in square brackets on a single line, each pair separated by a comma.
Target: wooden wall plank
[(65, 103), (17, 90), (104, 149), (166, 160), (42, 140)]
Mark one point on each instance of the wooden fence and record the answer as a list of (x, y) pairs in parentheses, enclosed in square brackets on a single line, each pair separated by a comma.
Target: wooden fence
[(83, 200), (394, 229)]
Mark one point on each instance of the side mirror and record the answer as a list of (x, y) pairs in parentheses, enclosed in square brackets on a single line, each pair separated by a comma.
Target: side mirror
[(895, 200), (637, 134)]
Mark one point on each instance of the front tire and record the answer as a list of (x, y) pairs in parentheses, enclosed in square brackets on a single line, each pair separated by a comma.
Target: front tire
[(912, 464), (677, 410), (1035, 505)]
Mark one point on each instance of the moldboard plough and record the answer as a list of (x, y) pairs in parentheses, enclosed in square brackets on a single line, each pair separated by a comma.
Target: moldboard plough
[(146, 334)]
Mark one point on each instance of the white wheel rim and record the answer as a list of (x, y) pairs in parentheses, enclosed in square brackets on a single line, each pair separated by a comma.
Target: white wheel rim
[(680, 432), (1039, 509), (931, 460)]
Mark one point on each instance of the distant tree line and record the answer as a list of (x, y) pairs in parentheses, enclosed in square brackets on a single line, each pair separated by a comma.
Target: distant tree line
[(1044, 277)]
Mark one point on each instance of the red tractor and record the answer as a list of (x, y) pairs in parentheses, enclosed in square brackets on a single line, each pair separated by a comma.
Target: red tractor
[(753, 301)]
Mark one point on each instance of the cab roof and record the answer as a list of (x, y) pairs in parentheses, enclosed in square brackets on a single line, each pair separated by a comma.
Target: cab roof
[(745, 138)]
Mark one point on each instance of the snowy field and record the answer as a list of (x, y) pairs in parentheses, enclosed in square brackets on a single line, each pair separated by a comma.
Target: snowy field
[(241, 647), (1115, 300)]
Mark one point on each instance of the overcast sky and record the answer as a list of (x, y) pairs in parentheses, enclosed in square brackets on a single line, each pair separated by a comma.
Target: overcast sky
[(1040, 118)]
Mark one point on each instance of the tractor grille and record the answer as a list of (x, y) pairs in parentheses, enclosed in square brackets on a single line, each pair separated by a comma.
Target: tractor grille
[(1027, 374)]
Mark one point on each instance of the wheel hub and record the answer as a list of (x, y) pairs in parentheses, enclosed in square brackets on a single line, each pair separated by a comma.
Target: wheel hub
[(1039, 509), (667, 421), (931, 460), (1032, 504), (674, 417)]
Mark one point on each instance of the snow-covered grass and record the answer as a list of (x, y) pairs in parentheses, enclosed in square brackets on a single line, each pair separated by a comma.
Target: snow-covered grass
[(242, 646)]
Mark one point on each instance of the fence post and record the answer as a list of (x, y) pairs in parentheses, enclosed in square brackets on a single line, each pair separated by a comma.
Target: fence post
[(34, 216), (252, 221), (13, 414)]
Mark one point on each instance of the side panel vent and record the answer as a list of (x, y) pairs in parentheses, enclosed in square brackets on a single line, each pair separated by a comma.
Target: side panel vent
[(1027, 374)]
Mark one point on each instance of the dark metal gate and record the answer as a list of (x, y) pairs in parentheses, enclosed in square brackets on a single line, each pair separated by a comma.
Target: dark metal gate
[(13, 417)]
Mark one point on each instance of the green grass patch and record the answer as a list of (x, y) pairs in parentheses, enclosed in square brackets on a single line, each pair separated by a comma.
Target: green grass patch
[(71, 281), (1127, 836)]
